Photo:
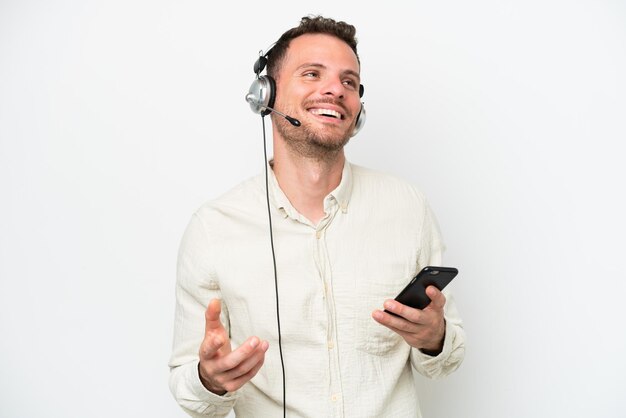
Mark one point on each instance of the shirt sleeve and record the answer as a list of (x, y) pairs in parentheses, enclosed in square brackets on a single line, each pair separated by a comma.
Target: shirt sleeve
[(196, 285), (453, 352)]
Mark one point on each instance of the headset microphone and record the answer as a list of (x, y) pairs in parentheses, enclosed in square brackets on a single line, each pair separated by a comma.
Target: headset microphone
[(250, 98)]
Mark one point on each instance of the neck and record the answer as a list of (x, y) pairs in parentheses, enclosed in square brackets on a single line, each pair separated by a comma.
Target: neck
[(306, 181)]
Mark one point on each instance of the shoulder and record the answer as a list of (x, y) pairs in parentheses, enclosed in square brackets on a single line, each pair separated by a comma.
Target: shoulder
[(385, 185), (242, 198), (396, 204)]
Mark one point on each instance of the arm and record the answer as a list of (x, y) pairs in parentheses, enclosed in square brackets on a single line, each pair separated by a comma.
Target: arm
[(452, 350), (208, 354), (435, 333)]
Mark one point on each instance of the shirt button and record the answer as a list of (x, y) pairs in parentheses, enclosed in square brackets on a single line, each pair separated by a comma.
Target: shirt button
[(331, 345), (334, 398), (318, 234)]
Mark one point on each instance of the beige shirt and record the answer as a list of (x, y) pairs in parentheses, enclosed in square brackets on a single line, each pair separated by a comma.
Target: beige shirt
[(378, 232)]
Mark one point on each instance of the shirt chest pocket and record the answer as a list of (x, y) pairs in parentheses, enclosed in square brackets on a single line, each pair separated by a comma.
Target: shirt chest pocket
[(370, 336)]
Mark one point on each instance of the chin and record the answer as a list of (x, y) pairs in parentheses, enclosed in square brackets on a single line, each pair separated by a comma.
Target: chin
[(331, 144)]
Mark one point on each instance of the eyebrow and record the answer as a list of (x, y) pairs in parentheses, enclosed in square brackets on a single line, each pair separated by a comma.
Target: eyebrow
[(322, 66)]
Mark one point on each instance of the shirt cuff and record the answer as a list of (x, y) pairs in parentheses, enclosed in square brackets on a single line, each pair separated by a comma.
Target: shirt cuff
[(433, 366), (209, 402)]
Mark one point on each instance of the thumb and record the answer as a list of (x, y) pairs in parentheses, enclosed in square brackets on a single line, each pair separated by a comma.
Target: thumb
[(214, 332), (212, 317), (438, 300), (210, 346)]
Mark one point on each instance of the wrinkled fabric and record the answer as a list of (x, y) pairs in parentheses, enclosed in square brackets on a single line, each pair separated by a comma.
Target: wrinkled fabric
[(377, 234)]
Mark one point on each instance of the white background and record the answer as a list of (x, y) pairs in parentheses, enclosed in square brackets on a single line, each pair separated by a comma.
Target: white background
[(119, 118)]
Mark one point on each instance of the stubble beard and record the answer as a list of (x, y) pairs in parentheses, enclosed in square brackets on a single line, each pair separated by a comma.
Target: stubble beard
[(305, 142)]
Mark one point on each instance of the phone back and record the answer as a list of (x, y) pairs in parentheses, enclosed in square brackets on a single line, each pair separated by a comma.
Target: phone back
[(414, 294)]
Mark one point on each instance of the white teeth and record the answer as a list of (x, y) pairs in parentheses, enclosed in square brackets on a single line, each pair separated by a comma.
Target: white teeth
[(326, 112)]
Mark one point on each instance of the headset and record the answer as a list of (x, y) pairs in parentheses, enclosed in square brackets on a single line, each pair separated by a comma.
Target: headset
[(262, 95)]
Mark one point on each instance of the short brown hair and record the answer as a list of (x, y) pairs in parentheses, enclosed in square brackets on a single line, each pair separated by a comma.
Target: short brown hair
[(310, 24)]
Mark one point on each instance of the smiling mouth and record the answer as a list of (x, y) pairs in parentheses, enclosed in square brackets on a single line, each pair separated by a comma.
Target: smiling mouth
[(327, 113)]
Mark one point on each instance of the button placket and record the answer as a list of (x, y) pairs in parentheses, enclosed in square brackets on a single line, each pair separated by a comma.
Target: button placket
[(331, 343)]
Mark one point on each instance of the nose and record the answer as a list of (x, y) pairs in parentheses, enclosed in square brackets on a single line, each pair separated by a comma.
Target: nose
[(333, 87)]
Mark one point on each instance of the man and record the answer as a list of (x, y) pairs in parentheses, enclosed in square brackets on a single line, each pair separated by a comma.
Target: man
[(347, 239)]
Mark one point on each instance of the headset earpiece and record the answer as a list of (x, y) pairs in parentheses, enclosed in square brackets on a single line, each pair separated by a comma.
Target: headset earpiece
[(262, 91), (360, 120)]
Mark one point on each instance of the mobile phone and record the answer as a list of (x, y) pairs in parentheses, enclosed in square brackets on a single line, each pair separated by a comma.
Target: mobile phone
[(414, 294)]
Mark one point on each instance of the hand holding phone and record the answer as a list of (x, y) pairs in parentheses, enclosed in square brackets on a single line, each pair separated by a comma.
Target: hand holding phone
[(414, 294)]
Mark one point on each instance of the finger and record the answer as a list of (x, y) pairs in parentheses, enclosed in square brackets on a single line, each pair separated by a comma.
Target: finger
[(236, 357), (237, 383), (406, 312), (212, 316), (396, 323), (210, 346), (417, 336), (438, 299), (258, 356)]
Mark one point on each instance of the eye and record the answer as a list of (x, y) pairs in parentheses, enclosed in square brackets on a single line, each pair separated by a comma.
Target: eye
[(310, 74), (350, 83)]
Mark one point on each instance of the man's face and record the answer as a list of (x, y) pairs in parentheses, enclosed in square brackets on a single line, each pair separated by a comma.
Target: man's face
[(318, 83)]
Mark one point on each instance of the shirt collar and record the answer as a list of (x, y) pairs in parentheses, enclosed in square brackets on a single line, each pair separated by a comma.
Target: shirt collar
[(343, 192)]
